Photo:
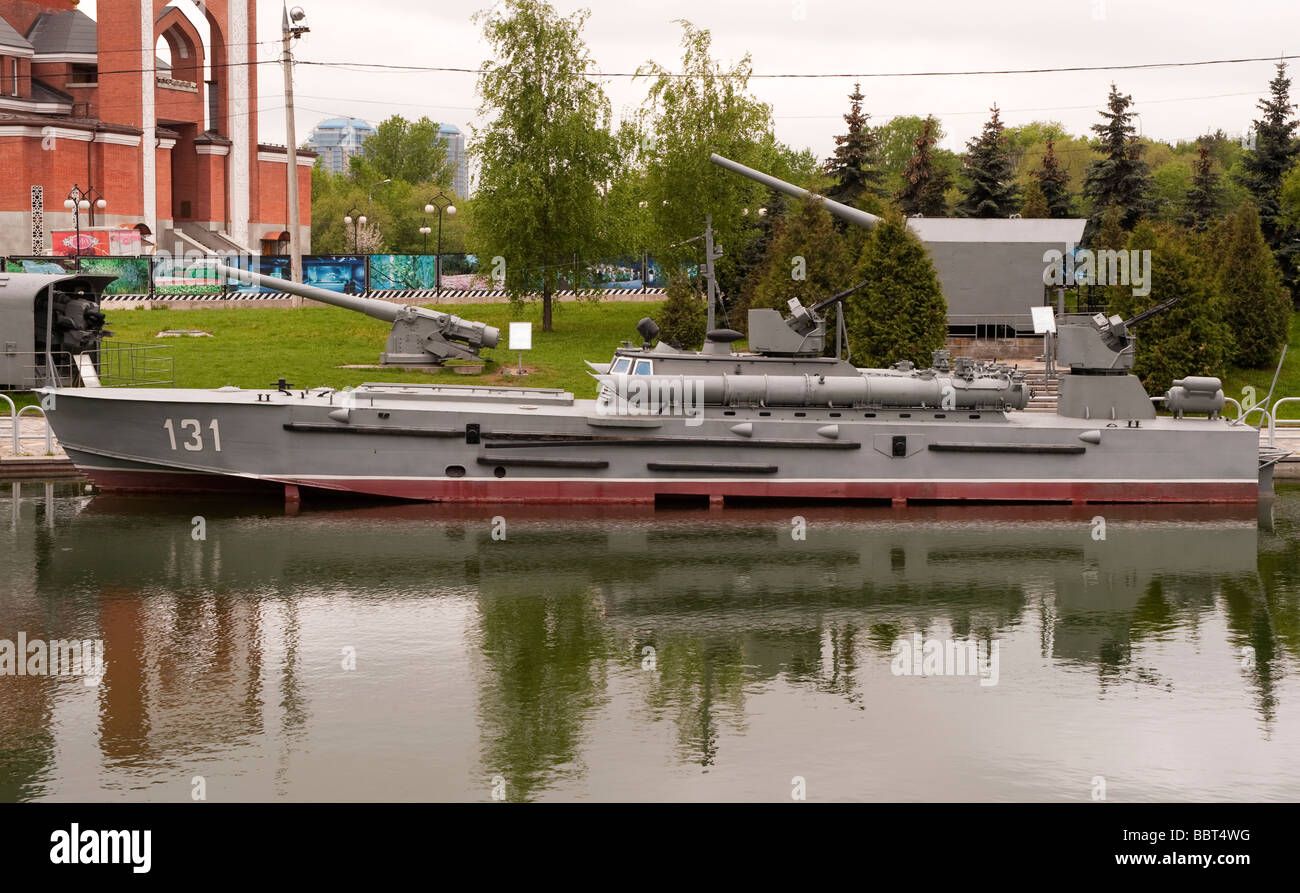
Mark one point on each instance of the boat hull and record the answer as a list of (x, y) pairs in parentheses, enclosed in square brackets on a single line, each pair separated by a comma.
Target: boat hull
[(516, 447)]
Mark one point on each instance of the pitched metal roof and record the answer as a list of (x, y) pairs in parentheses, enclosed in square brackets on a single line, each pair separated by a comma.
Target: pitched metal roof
[(43, 92), (996, 229), (63, 32), (11, 38)]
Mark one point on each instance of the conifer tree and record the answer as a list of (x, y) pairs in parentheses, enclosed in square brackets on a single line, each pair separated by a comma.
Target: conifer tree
[(1255, 304), (1120, 177), (901, 313), (1265, 166), (1191, 337), (1110, 236), (683, 315), (1054, 182), (1035, 205), (854, 164), (991, 189), (806, 259), (1204, 198), (924, 180)]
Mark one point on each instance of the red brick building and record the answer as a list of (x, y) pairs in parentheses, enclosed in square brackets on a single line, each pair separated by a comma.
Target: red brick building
[(174, 151)]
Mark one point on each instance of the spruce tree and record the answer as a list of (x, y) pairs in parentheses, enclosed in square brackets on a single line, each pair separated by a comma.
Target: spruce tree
[(1204, 198), (1255, 304), (683, 315), (854, 164), (1054, 181), (1120, 177), (1110, 236), (1264, 167), (752, 261), (991, 189), (806, 259), (924, 180), (1035, 205), (901, 313), (1191, 337)]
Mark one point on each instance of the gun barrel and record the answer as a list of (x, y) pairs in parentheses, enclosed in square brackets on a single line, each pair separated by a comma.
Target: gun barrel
[(384, 310), (844, 212), (839, 296), (1152, 311)]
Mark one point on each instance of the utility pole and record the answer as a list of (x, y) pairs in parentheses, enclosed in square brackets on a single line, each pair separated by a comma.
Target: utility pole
[(290, 31), (709, 256)]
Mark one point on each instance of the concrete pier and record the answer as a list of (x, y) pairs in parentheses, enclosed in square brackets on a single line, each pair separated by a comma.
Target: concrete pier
[(32, 462)]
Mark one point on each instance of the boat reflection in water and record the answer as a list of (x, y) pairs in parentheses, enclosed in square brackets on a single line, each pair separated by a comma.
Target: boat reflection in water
[(438, 652)]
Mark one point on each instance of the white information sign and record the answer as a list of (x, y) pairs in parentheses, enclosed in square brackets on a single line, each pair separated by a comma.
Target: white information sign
[(1044, 320), (521, 336)]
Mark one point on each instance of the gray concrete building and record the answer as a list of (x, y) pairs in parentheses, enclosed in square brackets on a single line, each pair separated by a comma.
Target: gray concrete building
[(991, 270)]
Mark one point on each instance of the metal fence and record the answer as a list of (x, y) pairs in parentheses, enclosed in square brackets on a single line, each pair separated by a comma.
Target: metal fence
[(116, 364), (185, 276), (11, 427)]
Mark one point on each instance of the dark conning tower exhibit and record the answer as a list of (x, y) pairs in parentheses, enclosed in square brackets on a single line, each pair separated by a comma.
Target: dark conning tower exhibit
[(52, 328)]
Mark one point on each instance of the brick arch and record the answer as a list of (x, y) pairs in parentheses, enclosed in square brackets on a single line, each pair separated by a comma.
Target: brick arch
[(185, 42), (216, 13)]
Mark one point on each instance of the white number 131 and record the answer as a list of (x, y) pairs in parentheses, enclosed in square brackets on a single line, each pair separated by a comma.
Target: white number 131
[(194, 429)]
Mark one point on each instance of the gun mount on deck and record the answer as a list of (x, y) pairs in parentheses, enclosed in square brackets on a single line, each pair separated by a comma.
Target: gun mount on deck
[(420, 337), (803, 332), (1101, 345)]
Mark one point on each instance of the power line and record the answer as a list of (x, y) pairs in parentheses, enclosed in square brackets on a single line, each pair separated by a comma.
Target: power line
[(136, 52), (378, 66), (1058, 108)]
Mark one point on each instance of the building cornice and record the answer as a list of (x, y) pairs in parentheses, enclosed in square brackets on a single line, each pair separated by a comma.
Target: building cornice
[(39, 131), (69, 58), (40, 108), (304, 160)]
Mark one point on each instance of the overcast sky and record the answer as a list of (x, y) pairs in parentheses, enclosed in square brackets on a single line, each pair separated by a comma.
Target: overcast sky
[(821, 36)]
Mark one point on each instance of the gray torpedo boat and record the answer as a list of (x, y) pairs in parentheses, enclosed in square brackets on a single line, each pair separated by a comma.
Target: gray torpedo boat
[(779, 420)]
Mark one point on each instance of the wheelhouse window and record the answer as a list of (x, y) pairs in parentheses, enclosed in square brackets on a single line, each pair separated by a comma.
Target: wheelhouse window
[(621, 365), (643, 367)]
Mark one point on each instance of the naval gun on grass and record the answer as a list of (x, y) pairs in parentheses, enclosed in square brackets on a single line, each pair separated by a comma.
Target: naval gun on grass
[(420, 337)]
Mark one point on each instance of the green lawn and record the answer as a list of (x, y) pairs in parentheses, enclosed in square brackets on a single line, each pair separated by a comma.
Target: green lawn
[(253, 347), (1288, 382)]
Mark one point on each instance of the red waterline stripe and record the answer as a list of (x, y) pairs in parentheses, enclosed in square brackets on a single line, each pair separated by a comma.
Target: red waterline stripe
[(591, 491)]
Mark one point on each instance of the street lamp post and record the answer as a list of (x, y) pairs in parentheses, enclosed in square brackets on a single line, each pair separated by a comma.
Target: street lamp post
[(291, 28), (370, 195), (424, 239), (442, 203), (354, 219), (79, 200)]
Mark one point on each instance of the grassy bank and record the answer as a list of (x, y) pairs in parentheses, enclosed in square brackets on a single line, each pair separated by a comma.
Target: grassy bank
[(1288, 381), (253, 347)]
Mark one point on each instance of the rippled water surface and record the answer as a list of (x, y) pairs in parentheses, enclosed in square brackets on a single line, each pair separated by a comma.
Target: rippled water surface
[(631, 654)]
